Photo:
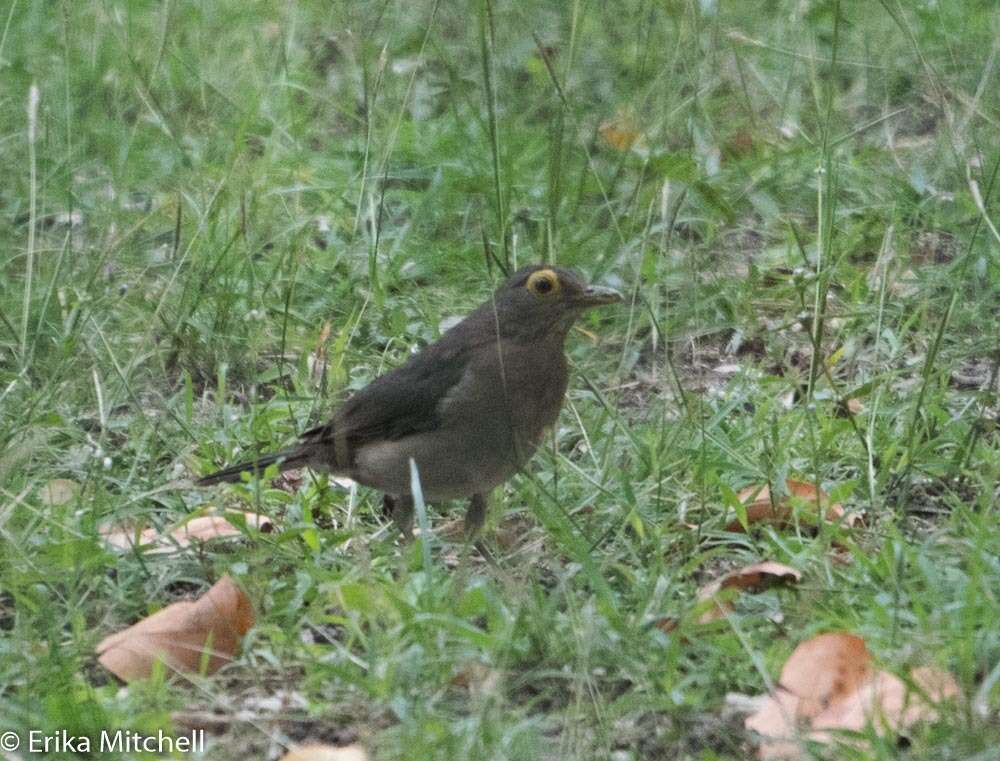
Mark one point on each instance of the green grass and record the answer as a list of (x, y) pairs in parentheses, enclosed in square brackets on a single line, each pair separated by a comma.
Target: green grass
[(812, 196)]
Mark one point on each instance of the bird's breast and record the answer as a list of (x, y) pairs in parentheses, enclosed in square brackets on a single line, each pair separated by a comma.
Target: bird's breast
[(491, 422), (510, 393)]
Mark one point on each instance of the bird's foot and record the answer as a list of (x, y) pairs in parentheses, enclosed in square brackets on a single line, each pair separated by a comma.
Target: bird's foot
[(475, 516)]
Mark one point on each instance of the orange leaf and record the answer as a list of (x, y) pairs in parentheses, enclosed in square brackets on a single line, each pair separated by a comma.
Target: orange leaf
[(780, 512), (621, 132), (751, 578), (180, 634), (829, 684), (849, 407), (318, 752), (887, 701), (200, 529)]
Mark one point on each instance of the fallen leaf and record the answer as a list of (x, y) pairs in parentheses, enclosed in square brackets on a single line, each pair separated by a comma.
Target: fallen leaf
[(740, 143), (829, 685), (182, 635), (760, 509), (58, 491), (479, 679), (201, 529), (317, 752), (620, 132), (752, 578), (848, 408), (887, 700), (125, 539), (738, 703), (666, 624)]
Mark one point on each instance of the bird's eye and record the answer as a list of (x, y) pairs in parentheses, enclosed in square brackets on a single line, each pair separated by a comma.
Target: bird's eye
[(543, 282)]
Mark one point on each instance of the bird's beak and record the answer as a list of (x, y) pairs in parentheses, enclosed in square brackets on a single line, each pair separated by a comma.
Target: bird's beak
[(596, 295)]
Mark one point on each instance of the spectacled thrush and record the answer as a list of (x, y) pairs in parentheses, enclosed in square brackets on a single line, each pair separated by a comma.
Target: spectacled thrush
[(469, 409)]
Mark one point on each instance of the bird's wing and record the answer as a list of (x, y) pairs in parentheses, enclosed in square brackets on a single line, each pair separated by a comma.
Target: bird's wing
[(400, 403)]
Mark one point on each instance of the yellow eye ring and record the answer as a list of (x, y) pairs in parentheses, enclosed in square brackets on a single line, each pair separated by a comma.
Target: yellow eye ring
[(543, 283)]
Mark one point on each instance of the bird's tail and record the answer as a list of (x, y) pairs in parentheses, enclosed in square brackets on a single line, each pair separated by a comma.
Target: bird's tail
[(286, 458)]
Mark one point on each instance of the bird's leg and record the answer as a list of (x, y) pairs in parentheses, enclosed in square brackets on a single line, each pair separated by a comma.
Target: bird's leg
[(401, 511), (475, 516), (388, 505)]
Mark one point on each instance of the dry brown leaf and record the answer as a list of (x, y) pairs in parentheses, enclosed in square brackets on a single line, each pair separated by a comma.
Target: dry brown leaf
[(201, 529), (825, 669), (318, 752), (666, 624), (848, 408), (829, 684), (58, 491), (620, 132), (781, 513), (751, 578), (124, 539), (887, 700), (479, 679), (182, 635), (740, 143)]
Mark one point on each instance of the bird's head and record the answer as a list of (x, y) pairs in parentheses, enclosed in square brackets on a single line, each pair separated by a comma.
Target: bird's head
[(544, 300)]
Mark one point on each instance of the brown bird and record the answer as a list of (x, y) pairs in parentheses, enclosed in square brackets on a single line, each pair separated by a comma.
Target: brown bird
[(469, 409)]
